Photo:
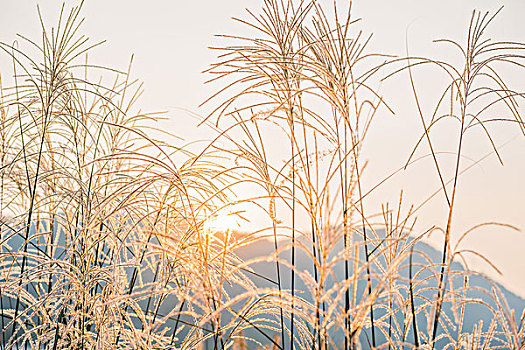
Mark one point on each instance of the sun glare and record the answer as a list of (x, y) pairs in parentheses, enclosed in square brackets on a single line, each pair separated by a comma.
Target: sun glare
[(222, 222)]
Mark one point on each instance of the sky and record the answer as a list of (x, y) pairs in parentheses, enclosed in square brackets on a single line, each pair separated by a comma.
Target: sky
[(170, 41)]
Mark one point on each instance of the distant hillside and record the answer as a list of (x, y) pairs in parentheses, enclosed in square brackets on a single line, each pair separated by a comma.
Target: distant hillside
[(474, 313), (263, 273)]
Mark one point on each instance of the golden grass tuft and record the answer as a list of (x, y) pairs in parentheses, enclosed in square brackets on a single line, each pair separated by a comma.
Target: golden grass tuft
[(104, 235)]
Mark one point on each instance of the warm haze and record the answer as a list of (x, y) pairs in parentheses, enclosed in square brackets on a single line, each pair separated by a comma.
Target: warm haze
[(170, 43), (170, 40)]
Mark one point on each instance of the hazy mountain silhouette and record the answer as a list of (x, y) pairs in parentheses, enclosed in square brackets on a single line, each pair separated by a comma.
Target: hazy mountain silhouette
[(264, 272), (474, 312)]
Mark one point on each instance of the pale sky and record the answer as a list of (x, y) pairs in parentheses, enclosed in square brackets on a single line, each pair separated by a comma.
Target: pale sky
[(170, 39)]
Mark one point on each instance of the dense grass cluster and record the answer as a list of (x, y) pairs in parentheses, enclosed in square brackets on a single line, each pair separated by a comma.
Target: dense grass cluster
[(105, 241)]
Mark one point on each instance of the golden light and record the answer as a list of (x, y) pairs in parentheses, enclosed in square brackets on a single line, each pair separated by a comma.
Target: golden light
[(222, 222)]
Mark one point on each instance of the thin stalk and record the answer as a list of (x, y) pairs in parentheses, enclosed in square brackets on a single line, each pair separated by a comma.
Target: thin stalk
[(447, 236), (412, 306), (317, 327), (33, 192), (278, 270), (293, 242)]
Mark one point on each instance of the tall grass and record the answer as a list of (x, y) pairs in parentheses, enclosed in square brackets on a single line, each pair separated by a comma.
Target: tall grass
[(105, 241)]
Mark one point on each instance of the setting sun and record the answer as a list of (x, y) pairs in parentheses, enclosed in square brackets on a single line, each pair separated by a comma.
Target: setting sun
[(222, 222)]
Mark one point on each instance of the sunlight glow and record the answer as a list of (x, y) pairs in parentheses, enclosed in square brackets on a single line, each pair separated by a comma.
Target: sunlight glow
[(222, 222)]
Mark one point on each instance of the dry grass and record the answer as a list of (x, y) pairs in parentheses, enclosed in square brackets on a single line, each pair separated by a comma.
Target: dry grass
[(104, 242)]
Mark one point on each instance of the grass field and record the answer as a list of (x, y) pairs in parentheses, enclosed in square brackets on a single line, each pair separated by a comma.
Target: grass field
[(117, 235)]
